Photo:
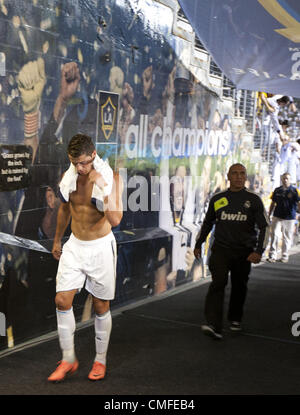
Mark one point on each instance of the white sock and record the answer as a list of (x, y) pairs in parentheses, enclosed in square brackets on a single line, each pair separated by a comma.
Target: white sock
[(103, 324), (66, 327)]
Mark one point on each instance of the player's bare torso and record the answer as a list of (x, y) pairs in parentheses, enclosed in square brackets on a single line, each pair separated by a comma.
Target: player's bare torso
[(88, 223)]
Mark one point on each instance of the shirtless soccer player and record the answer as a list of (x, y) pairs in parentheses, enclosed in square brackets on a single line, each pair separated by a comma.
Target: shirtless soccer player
[(88, 257)]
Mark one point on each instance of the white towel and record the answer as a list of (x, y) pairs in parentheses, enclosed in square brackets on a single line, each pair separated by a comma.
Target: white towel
[(69, 181)]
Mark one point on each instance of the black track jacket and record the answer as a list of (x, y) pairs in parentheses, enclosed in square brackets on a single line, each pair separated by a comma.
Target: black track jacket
[(236, 216)]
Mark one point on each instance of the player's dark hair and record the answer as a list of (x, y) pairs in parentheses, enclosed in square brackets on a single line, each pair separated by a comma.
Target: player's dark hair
[(284, 99), (80, 144), (284, 122)]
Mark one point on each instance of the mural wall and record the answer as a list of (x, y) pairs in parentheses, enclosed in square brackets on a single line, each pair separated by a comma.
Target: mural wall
[(114, 70)]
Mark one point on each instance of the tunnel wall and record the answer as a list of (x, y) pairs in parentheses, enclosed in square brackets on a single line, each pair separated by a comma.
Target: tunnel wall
[(126, 74)]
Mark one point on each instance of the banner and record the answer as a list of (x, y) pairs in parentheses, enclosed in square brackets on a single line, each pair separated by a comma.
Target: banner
[(255, 43)]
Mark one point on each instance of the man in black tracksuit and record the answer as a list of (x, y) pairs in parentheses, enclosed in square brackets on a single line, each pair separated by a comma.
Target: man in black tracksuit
[(236, 214)]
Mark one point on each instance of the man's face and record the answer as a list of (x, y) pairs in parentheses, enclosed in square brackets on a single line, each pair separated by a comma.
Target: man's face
[(237, 177), (286, 180), (83, 163), (50, 198)]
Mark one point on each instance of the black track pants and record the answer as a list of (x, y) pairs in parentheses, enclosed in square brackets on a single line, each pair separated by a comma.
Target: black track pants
[(221, 262)]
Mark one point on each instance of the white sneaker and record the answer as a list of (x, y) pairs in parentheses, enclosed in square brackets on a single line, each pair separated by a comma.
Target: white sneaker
[(211, 332), (235, 326)]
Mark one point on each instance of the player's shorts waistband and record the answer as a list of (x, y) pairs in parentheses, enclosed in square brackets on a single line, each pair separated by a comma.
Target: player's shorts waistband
[(103, 239)]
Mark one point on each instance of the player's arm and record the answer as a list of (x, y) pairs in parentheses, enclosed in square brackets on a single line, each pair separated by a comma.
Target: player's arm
[(31, 81), (113, 205), (298, 199), (207, 225), (63, 220), (263, 225), (271, 208), (69, 81), (269, 107)]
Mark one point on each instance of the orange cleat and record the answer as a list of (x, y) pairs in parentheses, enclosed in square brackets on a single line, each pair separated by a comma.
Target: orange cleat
[(97, 372), (63, 369)]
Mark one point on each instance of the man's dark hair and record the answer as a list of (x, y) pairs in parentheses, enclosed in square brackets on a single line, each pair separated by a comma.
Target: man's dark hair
[(80, 144), (236, 164), (285, 99), (284, 122)]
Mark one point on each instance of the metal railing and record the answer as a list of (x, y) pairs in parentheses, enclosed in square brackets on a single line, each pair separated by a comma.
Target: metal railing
[(245, 107)]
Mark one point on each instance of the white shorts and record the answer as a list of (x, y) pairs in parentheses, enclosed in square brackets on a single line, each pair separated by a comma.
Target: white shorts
[(92, 263)]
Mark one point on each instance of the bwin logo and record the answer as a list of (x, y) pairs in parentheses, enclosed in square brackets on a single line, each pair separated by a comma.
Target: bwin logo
[(233, 216)]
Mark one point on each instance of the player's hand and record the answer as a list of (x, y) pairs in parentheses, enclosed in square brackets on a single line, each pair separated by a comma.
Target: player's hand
[(197, 253), (128, 92), (69, 80), (254, 258), (56, 250), (189, 258), (148, 83), (170, 88), (97, 178), (31, 81)]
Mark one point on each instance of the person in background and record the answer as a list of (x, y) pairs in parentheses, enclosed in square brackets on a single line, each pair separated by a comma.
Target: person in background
[(285, 200), (273, 105), (235, 213)]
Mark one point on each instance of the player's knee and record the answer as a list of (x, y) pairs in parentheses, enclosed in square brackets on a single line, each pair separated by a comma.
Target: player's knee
[(218, 284), (63, 301), (101, 306)]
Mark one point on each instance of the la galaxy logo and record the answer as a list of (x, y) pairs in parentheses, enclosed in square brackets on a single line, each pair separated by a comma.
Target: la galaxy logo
[(108, 117)]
